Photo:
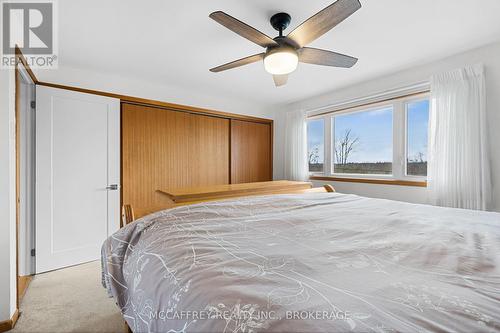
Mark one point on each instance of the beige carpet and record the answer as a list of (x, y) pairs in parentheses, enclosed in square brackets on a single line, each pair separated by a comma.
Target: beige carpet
[(69, 300)]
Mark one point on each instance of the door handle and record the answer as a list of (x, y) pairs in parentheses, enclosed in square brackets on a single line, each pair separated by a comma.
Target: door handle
[(112, 187)]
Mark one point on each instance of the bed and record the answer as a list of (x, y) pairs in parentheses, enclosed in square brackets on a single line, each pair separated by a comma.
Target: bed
[(315, 262)]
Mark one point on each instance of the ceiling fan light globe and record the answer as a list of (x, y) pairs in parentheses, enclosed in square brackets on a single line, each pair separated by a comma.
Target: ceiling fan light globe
[(281, 62)]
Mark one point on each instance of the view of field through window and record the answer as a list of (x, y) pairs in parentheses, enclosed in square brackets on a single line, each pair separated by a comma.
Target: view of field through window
[(417, 115), (362, 141), (316, 144)]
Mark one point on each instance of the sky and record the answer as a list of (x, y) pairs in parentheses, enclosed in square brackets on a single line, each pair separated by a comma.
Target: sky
[(418, 119), (374, 129), (315, 136)]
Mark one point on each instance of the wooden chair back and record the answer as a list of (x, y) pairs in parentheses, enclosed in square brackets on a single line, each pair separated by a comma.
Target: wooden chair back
[(127, 214)]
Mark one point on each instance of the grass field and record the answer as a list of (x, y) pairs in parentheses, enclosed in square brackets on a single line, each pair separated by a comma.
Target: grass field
[(381, 168)]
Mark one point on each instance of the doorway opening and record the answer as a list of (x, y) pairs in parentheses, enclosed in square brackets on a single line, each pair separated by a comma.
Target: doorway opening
[(25, 179)]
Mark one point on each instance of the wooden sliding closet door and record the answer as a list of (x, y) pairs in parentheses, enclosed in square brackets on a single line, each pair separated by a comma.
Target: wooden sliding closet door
[(164, 149), (251, 154)]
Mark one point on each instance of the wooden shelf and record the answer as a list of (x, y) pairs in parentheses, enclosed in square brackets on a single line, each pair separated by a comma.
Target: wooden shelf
[(233, 190)]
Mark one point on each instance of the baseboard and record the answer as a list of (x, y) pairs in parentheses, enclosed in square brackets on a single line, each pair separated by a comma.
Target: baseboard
[(7, 325), (23, 282)]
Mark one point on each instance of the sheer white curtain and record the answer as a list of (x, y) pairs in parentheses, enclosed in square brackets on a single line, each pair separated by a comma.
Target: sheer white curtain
[(296, 146), (458, 171)]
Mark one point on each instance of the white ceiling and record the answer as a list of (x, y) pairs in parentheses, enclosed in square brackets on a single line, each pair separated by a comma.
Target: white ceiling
[(175, 42)]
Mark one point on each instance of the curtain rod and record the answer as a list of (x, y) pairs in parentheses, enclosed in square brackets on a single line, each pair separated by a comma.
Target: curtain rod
[(414, 90)]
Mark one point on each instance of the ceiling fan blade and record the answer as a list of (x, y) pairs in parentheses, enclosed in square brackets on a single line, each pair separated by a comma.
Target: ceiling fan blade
[(280, 80), (317, 25), (243, 29), (238, 63), (325, 58)]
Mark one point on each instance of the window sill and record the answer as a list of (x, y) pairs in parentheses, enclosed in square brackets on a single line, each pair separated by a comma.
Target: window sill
[(372, 181)]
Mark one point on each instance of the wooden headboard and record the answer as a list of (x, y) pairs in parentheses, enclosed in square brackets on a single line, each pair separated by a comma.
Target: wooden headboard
[(181, 197)]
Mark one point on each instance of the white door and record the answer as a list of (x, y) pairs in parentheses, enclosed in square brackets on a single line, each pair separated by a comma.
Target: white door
[(77, 164)]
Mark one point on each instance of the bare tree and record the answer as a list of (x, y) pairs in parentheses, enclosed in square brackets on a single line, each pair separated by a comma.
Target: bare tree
[(314, 156), (418, 158), (345, 146)]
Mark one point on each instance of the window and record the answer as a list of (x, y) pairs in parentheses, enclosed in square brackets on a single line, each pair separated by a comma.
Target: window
[(363, 142), (316, 145), (382, 140), (417, 115)]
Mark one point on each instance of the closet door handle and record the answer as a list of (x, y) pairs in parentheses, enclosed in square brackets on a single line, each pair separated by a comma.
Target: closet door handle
[(112, 187)]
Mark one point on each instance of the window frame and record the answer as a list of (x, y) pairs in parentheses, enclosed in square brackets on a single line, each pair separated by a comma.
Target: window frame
[(399, 143)]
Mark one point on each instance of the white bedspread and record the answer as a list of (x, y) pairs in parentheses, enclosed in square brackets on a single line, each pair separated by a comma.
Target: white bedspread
[(324, 262)]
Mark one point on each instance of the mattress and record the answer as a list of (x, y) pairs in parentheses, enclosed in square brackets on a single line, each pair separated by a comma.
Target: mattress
[(317, 262)]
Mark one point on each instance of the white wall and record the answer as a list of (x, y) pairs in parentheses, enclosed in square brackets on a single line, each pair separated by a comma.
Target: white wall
[(151, 90), (7, 196), (411, 194), (488, 55)]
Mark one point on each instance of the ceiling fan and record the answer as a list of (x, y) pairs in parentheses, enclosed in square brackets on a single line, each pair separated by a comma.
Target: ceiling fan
[(284, 52)]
